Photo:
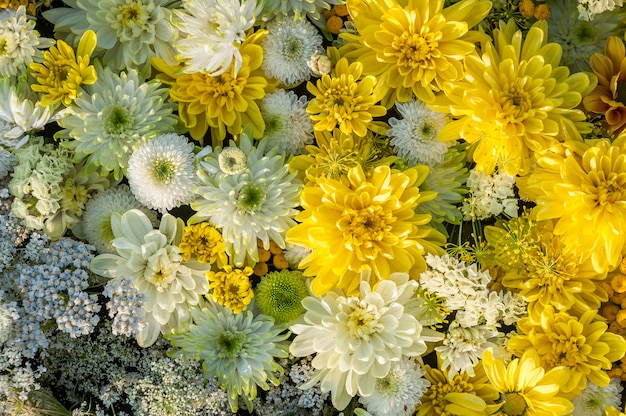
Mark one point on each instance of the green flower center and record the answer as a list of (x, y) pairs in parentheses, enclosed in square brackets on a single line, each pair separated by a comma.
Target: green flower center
[(118, 120), (230, 344), (275, 124), (251, 197), (584, 32), (163, 170), (293, 49), (514, 404)]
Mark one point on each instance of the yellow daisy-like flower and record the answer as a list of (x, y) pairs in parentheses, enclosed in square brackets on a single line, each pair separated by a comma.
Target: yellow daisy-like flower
[(583, 187), (343, 100), (582, 344), (459, 395), (536, 263), (367, 222), (226, 102), (412, 46), (204, 243), (515, 100), (231, 287), (62, 72), (526, 388)]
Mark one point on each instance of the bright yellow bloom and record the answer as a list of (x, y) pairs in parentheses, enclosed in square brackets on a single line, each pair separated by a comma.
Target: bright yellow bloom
[(343, 100), (545, 273), (231, 288), (226, 102), (583, 187), (460, 395), (515, 100), (62, 72), (526, 388), (412, 46), (367, 222), (204, 243), (611, 411), (583, 345)]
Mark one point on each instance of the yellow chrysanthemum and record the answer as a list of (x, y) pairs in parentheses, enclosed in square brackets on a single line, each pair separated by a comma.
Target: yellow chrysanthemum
[(343, 100), (526, 388), (611, 411), (226, 102), (62, 72), (367, 222), (545, 273), (583, 187), (459, 395), (204, 243), (231, 287), (30, 5), (412, 46), (583, 345), (515, 100)]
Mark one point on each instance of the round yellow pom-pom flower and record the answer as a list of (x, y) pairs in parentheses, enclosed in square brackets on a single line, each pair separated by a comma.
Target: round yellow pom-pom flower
[(204, 243), (515, 100), (62, 72), (412, 46), (582, 344), (344, 100), (583, 186), (231, 287), (226, 102), (365, 222)]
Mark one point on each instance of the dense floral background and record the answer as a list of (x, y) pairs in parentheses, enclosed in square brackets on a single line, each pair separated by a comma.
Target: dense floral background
[(311, 207)]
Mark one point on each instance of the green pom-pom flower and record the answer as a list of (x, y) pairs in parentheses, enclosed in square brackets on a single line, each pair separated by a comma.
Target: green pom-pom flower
[(280, 295)]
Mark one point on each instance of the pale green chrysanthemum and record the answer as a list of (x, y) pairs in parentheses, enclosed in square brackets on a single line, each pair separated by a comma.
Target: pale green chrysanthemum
[(238, 349), (280, 295), (448, 179), (116, 115), (580, 38), (288, 126), (259, 202)]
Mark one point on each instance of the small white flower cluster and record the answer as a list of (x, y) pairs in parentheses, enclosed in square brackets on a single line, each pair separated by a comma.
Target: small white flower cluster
[(479, 310), (587, 9), (490, 195), (124, 306)]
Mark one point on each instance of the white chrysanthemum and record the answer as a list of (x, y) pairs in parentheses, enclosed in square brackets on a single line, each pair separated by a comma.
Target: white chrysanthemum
[(7, 161), (154, 262), (238, 349), (414, 137), (130, 32), (211, 33), (594, 400), (399, 392), (161, 172), (20, 115), (356, 339), (301, 8), (97, 217), (118, 113), (232, 160), (288, 126), (490, 195), (463, 348), (257, 203), (589, 8), (20, 43), (290, 43)]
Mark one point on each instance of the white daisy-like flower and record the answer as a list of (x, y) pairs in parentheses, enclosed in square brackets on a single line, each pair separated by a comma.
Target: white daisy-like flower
[(130, 32), (257, 203), (20, 43), (116, 115), (399, 392), (97, 217), (20, 115), (7, 161), (288, 126), (152, 259), (593, 400), (414, 137), (463, 348), (357, 339), (211, 33), (161, 172), (290, 43)]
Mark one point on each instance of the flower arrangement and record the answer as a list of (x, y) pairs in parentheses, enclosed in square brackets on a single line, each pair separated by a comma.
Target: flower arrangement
[(313, 207)]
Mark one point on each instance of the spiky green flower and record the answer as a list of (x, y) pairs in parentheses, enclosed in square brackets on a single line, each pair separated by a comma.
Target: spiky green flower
[(280, 295)]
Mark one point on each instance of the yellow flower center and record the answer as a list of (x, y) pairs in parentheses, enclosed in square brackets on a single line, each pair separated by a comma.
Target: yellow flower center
[(339, 99), (514, 404), (74, 197), (129, 14), (362, 319), (362, 229), (612, 189), (566, 350), (414, 50), (516, 102), (59, 72), (438, 390)]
